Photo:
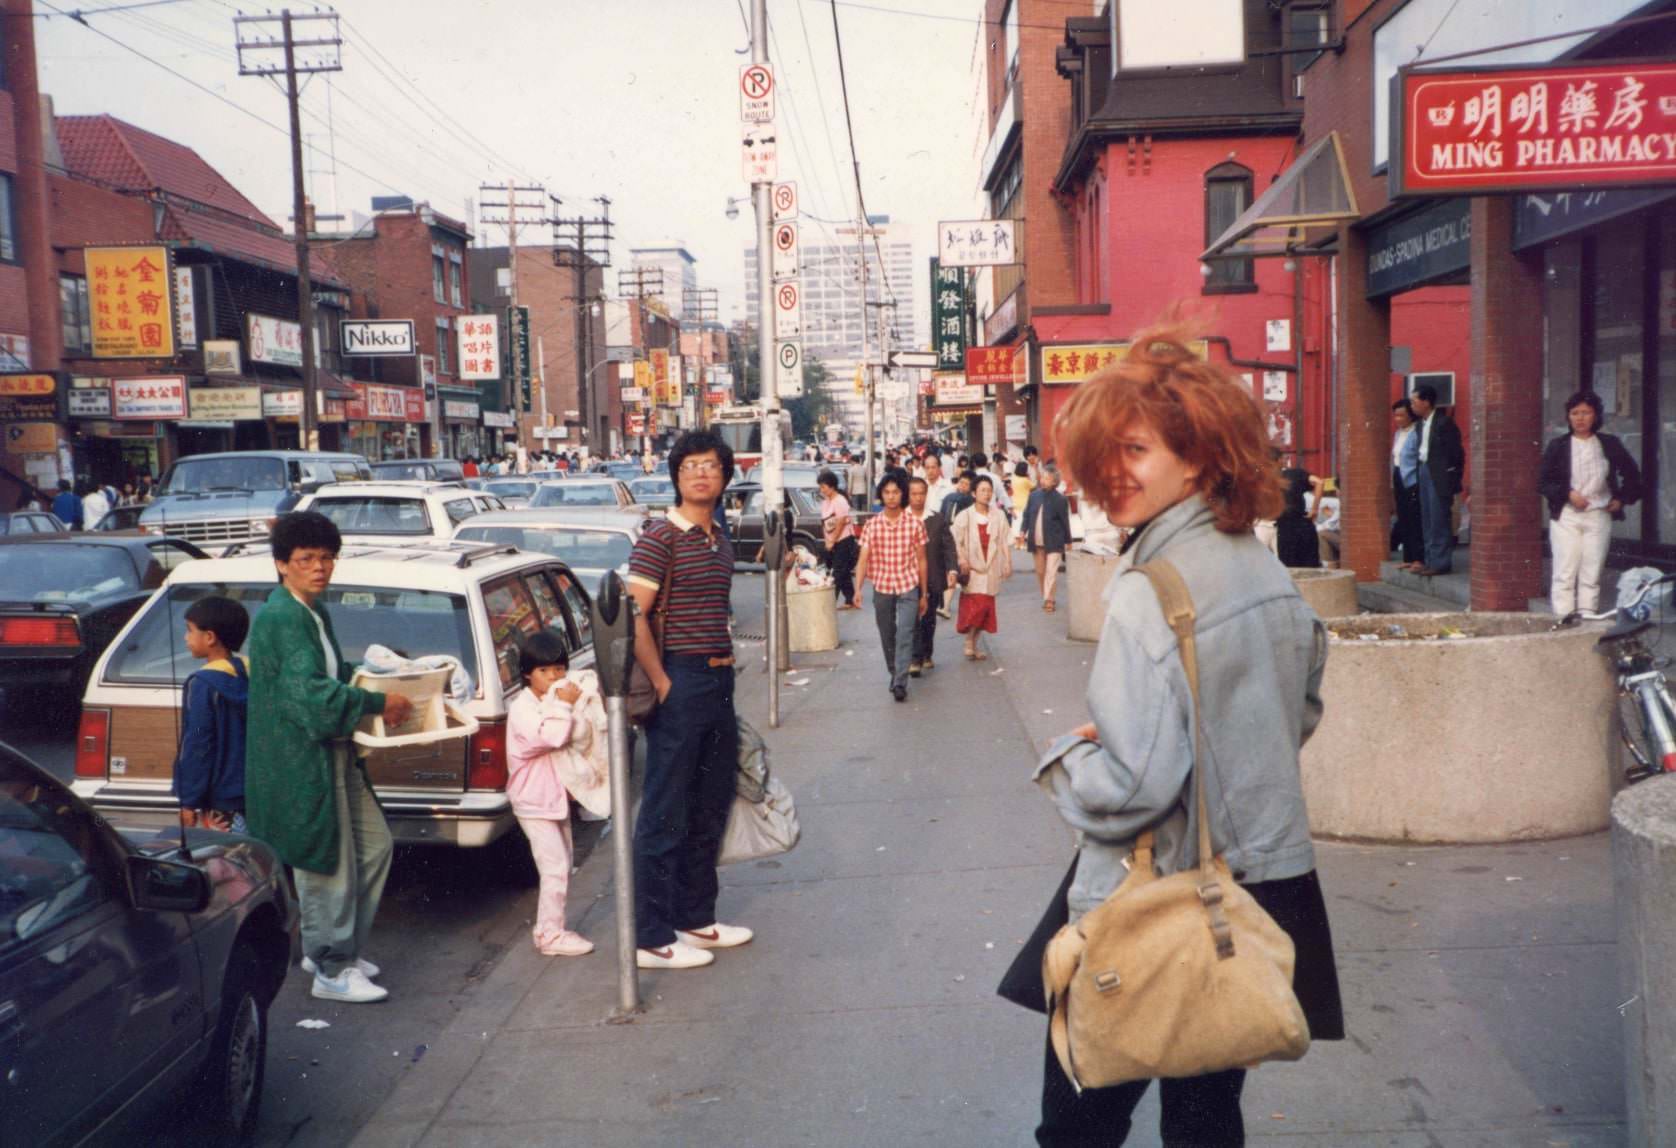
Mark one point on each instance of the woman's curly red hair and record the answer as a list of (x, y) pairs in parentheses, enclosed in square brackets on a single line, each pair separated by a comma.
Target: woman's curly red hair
[(1196, 407)]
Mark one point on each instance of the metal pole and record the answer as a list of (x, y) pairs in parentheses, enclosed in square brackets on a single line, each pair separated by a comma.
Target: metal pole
[(773, 479), (868, 387), (515, 399), (622, 850), (309, 422)]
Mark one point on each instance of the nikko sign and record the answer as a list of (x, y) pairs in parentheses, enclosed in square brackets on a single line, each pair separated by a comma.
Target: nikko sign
[(376, 337), (1479, 130)]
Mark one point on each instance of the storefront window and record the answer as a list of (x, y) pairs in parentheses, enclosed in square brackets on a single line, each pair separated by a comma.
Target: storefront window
[(1615, 372), (1562, 373), (1665, 491)]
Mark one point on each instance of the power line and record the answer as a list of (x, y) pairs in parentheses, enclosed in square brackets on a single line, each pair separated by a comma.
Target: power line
[(849, 126)]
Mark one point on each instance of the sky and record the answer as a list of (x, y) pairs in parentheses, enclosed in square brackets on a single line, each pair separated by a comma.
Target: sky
[(636, 100)]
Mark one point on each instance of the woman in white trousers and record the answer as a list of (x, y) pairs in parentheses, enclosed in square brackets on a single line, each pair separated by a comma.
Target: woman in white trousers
[(1587, 479)]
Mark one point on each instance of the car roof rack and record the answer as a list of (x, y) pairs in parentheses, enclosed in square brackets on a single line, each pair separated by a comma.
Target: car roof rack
[(247, 546), (483, 550)]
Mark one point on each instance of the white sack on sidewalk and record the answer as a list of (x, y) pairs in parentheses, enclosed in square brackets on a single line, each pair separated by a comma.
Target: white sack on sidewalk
[(763, 822)]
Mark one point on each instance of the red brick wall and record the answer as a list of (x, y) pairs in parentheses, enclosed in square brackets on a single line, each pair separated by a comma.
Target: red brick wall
[(390, 278), (84, 214), (549, 292)]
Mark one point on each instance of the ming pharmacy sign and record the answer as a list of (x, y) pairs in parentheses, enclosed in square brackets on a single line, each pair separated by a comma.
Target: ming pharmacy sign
[(1527, 129)]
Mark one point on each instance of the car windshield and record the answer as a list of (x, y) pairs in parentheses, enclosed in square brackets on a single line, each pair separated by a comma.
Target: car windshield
[(376, 514), (575, 494), (44, 877), (400, 470), (511, 489), (653, 491), (577, 548), (741, 437), (65, 572), (193, 475), (413, 623)]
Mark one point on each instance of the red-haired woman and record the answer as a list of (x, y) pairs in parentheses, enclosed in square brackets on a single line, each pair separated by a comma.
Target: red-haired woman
[(1172, 448)]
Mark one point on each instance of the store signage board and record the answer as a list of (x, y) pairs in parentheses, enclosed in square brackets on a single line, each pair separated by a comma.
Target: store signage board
[(788, 369), (32, 438), (987, 366), (784, 262), (1471, 131), (977, 243), (129, 290), (788, 310), (479, 337), (229, 404), (460, 409), (186, 308), (89, 402), (1419, 248), (275, 341), (955, 391), (950, 328), (29, 398), (377, 337), (157, 397), (785, 201), (756, 94), (282, 404), (221, 357)]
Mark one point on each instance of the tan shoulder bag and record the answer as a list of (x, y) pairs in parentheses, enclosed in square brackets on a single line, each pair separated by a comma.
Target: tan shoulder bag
[(1172, 976)]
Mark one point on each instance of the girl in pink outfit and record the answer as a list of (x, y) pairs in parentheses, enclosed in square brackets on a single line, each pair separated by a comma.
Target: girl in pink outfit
[(548, 733)]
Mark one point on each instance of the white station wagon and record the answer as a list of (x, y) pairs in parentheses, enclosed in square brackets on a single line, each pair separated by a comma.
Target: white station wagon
[(473, 601)]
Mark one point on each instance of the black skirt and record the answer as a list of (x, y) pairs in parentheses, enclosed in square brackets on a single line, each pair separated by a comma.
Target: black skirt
[(1295, 903)]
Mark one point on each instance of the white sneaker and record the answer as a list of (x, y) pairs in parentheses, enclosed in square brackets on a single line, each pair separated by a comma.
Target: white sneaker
[(716, 936), (566, 944), (673, 956), (350, 986), (368, 969)]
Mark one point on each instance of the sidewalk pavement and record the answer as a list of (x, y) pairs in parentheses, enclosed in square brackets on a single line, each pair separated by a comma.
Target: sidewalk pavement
[(1479, 982)]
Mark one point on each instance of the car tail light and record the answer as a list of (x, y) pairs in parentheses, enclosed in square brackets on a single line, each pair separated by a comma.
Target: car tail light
[(93, 743), (46, 630), (487, 767)]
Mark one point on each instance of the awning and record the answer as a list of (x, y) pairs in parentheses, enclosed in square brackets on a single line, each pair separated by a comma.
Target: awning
[(1309, 200), (334, 386)]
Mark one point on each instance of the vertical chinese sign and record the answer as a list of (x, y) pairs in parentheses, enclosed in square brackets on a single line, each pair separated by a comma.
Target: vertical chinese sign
[(133, 310), (949, 329), (666, 392), (479, 346), (519, 342)]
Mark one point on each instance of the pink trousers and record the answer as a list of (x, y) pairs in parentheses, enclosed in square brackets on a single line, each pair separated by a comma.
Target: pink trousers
[(550, 847)]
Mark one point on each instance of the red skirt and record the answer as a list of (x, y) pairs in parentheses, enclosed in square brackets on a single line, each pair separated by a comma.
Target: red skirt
[(977, 612)]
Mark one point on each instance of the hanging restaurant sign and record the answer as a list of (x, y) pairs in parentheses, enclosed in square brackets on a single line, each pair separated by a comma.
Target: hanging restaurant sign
[(1480, 130)]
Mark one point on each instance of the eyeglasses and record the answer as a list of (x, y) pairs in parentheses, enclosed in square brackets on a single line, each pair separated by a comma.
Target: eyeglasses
[(705, 467), (310, 561)]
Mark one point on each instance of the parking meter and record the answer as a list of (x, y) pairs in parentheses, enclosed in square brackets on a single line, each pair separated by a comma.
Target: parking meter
[(613, 612)]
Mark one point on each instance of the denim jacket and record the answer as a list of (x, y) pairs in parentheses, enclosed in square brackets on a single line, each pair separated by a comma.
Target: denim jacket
[(1262, 651)]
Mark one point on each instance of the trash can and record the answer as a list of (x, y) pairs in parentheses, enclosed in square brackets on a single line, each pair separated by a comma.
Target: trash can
[(811, 618), (1086, 576)]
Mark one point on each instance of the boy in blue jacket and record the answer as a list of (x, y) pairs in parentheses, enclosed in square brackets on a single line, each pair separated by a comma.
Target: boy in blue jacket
[(209, 767)]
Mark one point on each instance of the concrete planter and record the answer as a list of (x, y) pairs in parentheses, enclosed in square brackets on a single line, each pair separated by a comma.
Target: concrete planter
[(1644, 887), (1086, 577), (1503, 735), (1330, 593)]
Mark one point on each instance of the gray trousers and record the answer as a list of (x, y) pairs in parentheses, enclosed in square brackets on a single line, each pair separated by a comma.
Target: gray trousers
[(338, 907), (896, 615)]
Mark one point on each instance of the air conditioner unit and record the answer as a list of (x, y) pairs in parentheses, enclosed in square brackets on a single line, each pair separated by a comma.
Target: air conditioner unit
[(1441, 381)]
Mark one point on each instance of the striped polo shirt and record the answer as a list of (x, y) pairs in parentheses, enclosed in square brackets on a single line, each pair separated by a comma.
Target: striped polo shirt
[(695, 572)]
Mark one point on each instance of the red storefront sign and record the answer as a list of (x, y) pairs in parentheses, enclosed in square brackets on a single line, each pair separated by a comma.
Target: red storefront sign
[(377, 403), (1483, 130), (986, 366)]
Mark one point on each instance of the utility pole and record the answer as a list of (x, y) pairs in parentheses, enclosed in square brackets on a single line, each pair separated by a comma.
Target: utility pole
[(871, 470), (517, 207), (325, 44), (884, 358), (589, 245)]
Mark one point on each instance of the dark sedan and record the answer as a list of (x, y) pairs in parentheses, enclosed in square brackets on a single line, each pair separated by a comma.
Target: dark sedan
[(135, 975), (30, 522), (63, 597), (743, 503)]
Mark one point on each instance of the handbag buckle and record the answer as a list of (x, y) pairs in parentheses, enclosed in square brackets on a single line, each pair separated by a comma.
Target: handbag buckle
[(1211, 894), (1108, 981)]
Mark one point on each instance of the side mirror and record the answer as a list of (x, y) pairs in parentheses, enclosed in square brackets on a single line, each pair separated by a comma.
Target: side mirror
[(166, 886)]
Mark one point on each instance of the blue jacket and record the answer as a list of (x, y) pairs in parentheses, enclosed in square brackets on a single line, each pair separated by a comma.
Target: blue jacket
[(67, 507), (209, 766)]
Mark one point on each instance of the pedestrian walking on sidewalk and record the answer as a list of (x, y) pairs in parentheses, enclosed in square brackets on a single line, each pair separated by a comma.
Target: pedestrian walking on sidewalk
[(1046, 526), (1587, 479), (893, 556), (1019, 490), (681, 572), (938, 486), (941, 563), (1171, 446), (1441, 464), (1405, 487), (983, 548), (306, 791), (839, 535)]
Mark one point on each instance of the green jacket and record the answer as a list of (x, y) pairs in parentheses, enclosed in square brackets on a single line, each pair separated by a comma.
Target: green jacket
[(296, 710)]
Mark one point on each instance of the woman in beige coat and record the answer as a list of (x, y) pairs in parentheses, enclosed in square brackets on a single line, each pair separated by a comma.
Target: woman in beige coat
[(983, 543)]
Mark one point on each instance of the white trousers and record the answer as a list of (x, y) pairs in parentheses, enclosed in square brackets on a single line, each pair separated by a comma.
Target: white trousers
[(551, 849), (1579, 540)]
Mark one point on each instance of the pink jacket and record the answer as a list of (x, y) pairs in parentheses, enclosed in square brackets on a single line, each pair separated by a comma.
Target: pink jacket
[(545, 740)]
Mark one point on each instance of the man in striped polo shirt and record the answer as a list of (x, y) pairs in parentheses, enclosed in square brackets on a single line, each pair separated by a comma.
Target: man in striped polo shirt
[(681, 571)]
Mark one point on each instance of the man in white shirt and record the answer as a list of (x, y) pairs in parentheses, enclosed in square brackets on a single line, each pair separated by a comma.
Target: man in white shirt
[(938, 486)]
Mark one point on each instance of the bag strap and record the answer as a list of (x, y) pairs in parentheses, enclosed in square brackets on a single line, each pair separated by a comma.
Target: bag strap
[(1177, 604)]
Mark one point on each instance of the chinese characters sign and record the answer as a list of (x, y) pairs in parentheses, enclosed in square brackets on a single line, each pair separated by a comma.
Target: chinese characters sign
[(955, 391), (29, 398), (977, 243), (276, 341), (155, 398), (950, 330), (986, 366), (479, 346), (666, 390), (225, 403), (133, 311), (1468, 132), (1079, 363)]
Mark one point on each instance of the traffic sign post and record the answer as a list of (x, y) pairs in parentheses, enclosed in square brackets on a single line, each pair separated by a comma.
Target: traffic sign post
[(785, 250), (785, 201), (756, 94), (759, 159), (788, 362), (926, 360), (788, 310)]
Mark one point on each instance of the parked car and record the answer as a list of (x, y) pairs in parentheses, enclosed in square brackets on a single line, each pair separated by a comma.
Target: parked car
[(514, 493), (399, 509), (591, 541), (17, 522), (119, 518), (470, 600), (428, 469), (653, 490), (583, 492), (626, 470), (63, 597), (742, 502), (135, 976), (215, 500)]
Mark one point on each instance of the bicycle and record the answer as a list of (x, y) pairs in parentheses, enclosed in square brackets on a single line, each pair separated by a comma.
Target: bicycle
[(1641, 678)]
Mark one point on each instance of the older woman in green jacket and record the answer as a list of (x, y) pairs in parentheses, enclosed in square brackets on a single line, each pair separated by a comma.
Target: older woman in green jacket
[(306, 794)]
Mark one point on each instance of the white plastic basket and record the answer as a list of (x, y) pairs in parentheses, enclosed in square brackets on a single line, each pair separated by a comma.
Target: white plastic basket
[(434, 719)]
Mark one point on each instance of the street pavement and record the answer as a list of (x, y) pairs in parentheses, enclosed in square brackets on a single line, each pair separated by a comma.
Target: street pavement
[(1480, 982)]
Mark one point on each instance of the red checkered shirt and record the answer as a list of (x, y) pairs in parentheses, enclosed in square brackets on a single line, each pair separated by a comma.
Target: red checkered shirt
[(893, 550)]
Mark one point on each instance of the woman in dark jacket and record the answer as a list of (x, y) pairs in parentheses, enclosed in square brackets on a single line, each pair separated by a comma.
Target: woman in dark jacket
[(1587, 479), (1047, 531)]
